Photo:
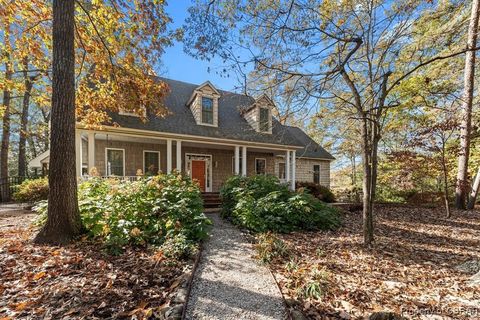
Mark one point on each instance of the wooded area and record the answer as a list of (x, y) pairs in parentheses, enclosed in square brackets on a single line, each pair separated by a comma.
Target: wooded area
[(389, 87)]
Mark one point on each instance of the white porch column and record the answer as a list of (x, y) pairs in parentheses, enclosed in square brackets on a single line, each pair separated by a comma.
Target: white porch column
[(78, 152), (244, 161), (287, 166), (169, 155), (292, 186), (179, 156), (237, 160), (91, 151)]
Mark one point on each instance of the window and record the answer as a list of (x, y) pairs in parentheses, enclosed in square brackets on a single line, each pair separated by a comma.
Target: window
[(151, 162), (260, 165), (115, 162), (281, 170), (264, 119), (239, 164), (316, 174), (207, 110)]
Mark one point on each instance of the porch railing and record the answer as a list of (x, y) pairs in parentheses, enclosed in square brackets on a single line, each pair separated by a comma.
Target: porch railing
[(121, 178)]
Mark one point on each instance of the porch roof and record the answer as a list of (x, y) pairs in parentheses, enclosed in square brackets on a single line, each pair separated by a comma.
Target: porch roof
[(231, 124)]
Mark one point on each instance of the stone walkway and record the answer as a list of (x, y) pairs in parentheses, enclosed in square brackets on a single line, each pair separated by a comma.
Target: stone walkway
[(229, 283)]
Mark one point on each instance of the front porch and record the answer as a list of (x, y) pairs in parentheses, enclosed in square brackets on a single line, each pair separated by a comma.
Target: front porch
[(211, 162)]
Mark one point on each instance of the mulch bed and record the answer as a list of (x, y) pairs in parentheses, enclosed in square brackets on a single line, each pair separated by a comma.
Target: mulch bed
[(81, 280), (412, 269)]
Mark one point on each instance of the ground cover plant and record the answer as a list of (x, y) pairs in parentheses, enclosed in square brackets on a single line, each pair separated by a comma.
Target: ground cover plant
[(414, 269), (149, 211), (261, 203)]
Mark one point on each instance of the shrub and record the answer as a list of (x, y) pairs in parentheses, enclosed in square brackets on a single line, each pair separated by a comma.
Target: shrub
[(317, 190), (32, 190), (270, 247), (261, 203), (147, 211)]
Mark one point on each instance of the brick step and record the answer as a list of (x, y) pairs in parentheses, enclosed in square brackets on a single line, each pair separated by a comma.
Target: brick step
[(211, 200)]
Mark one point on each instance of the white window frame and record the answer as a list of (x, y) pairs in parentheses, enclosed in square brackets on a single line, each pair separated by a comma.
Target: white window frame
[(159, 159), (213, 110), (106, 160), (269, 116), (285, 171), (319, 173), (265, 160)]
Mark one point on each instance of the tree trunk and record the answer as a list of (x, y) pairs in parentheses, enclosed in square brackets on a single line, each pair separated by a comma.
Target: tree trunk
[(6, 125), (473, 194), (63, 219), (22, 142), (466, 112), (445, 181), (367, 183)]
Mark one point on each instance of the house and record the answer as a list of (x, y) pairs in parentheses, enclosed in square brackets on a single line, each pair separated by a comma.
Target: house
[(210, 135)]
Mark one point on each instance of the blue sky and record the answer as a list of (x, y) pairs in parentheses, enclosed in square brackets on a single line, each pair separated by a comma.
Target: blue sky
[(180, 66)]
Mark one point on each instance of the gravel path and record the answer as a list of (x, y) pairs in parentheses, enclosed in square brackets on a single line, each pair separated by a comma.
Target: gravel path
[(229, 283)]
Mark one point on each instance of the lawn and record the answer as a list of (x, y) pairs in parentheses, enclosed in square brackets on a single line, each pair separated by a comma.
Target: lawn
[(80, 280), (411, 269)]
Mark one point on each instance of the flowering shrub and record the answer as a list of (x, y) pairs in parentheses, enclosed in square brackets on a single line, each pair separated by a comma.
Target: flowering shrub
[(261, 203), (32, 190), (148, 211)]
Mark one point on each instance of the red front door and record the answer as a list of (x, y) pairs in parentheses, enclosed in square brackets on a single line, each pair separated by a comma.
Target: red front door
[(198, 173)]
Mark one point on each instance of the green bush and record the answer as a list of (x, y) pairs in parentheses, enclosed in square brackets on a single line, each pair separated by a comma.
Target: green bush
[(147, 211), (32, 190), (260, 203), (317, 190)]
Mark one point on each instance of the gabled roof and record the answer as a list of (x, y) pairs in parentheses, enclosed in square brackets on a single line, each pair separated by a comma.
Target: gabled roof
[(311, 149), (231, 123)]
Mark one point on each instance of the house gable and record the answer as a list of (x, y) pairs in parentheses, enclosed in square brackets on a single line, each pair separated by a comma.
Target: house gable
[(259, 114), (206, 115)]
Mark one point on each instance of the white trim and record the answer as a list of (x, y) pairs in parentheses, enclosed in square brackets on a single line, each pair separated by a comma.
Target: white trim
[(178, 149), (294, 167), (201, 110), (159, 162), (208, 188), (264, 159), (191, 138), (78, 152), (287, 166), (236, 159), (106, 160), (244, 161), (169, 155), (284, 171)]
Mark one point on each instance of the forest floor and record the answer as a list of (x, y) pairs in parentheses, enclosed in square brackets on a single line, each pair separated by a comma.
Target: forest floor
[(412, 269), (80, 280)]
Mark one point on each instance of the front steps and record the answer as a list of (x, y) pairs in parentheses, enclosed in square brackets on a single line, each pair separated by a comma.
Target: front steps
[(211, 201)]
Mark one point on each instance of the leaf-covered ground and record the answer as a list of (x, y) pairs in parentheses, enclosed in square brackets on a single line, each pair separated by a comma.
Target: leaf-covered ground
[(411, 270), (79, 280)]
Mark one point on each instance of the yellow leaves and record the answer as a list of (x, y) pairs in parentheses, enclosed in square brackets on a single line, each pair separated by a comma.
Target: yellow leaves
[(39, 275)]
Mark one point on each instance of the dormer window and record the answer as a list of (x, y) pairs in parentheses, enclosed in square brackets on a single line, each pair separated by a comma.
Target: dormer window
[(207, 110), (204, 105), (259, 114), (264, 116)]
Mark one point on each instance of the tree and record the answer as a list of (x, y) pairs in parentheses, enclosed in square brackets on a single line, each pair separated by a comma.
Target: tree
[(7, 87), (466, 111), (63, 220), (347, 52)]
